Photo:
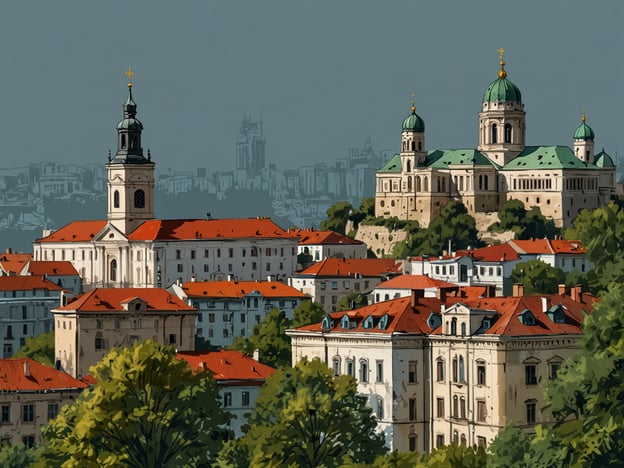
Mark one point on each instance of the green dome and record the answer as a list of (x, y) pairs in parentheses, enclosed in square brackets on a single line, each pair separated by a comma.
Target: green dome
[(584, 132), (413, 123), (502, 90), (603, 160)]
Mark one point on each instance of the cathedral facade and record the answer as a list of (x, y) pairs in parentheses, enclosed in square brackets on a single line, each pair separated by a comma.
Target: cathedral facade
[(417, 183)]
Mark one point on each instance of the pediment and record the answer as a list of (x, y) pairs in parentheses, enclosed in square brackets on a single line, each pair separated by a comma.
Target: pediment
[(110, 234)]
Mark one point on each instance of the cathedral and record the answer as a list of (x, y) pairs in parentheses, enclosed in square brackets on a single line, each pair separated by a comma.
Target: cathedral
[(131, 248), (417, 183)]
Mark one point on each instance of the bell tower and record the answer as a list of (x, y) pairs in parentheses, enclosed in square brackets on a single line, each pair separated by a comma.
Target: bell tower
[(130, 174)]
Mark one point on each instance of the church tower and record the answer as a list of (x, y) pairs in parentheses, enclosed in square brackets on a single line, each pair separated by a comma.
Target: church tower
[(412, 141), (584, 142), (502, 119), (130, 174)]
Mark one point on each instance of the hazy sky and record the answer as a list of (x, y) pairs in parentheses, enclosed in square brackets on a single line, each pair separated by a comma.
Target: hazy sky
[(323, 74)]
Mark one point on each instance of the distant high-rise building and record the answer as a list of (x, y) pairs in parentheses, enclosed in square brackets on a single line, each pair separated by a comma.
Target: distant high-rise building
[(250, 146)]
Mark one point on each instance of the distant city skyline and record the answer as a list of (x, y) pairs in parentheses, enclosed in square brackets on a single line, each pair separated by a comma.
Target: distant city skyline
[(323, 75)]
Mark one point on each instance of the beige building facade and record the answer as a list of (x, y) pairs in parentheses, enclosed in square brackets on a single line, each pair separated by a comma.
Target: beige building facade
[(87, 328), (416, 184)]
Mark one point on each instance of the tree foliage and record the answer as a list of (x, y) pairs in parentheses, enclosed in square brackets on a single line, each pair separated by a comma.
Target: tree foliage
[(337, 217), (510, 449), (19, 456), (147, 409), (457, 456), (307, 417), (586, 396), (601, 232), (525, 224), (538, 277), (39, 348), (454, 224), (269, 336), (352, 301)]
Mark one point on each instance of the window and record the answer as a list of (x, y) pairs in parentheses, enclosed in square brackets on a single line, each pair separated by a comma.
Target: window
[(463, 439), (5, 414), (53, 409), (336, 365), (28, 413), (462, 408), (363, 371), (139, 199), (99, 342), (412, 442), (455, 437), (411, 375), (554, 368), (480, 373), (439, 440), (455, 369), (227, 399), (180, 267), (25, 329), (379, 374), (334, 284), (115, 200), (455, 406), (7, 350), (350, 368), (172, 338), (99, 324), (507, 133), (530, 375), (231, 252), (245, 399), (463, 328), (440, 407), (206, 253), (453, 326), (481, 411), (113, 270), (530, 411), (461, 369), (323, 285), (440, 370), (481, 441), (192, 254), (211, 317), (28, 441), (412, 409)]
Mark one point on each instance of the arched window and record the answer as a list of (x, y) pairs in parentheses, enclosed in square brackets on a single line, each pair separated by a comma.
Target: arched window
[(409, 183), (336, 364), (453, 326), (139, 199), (413, 145), (113, 270), (455, 436), (463, 439), (463, 328), (425, 184), (409, 166), (363, 370), (418, 185), (455, 369), (486, 183), (420, 146), (404, 145), (507, 133), (494, 133), (116, 199), (123, 141), (461, 369)]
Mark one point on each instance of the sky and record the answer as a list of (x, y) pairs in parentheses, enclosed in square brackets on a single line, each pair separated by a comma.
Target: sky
[(324, 75)]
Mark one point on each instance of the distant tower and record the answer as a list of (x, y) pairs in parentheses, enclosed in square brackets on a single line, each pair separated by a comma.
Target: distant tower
[(250, 146), (412, 141), (502, 119), (130, 174), (584, 142)]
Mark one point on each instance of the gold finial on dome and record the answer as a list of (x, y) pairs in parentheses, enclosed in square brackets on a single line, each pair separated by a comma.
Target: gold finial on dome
[(129, 73), (583, 116), (413, 105), (502, 73)]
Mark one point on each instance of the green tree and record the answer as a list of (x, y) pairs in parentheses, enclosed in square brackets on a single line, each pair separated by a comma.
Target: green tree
[(306, 417), (586, 397), (19, 456), (510, 449), (352, 301), (233, 454), (337, 217), (456, 456), (524, 224), (454, 224), (147, 409), (538, 277), (39, 348), (601, 232), (366, 211), (269, 336)]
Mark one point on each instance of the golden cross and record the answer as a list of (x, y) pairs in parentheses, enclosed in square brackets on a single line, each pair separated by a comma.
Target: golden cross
[(501, 51), (129, 73)]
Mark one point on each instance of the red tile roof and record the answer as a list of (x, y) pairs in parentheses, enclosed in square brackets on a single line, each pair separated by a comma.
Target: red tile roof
[(230, 366), (533, 246), (55, 268), (348, 267), (186, 229), (26, 283), (13, 377), (403, 318), (239, 289), (493, 253), (312, 237), (112, 300), (562, 246), (76, 231), (414, 282), (12, 263)]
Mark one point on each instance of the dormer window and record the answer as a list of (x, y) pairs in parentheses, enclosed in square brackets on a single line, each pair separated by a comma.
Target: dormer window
[(383, 322), (368, 322), (486, 324), (327, 323), (345, 323), (555, 313), (527, 318), (434, 320)]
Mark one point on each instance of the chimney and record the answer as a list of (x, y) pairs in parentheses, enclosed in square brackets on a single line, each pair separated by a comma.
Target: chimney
[(577, 293), (8, 250), (490, 290), (203, 366), (270, 278), (193, 278), (230, 277), (563, 289), (416, 295), (518, 290), (257, 355), (442, 295), (26, 368), (544, 304)]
